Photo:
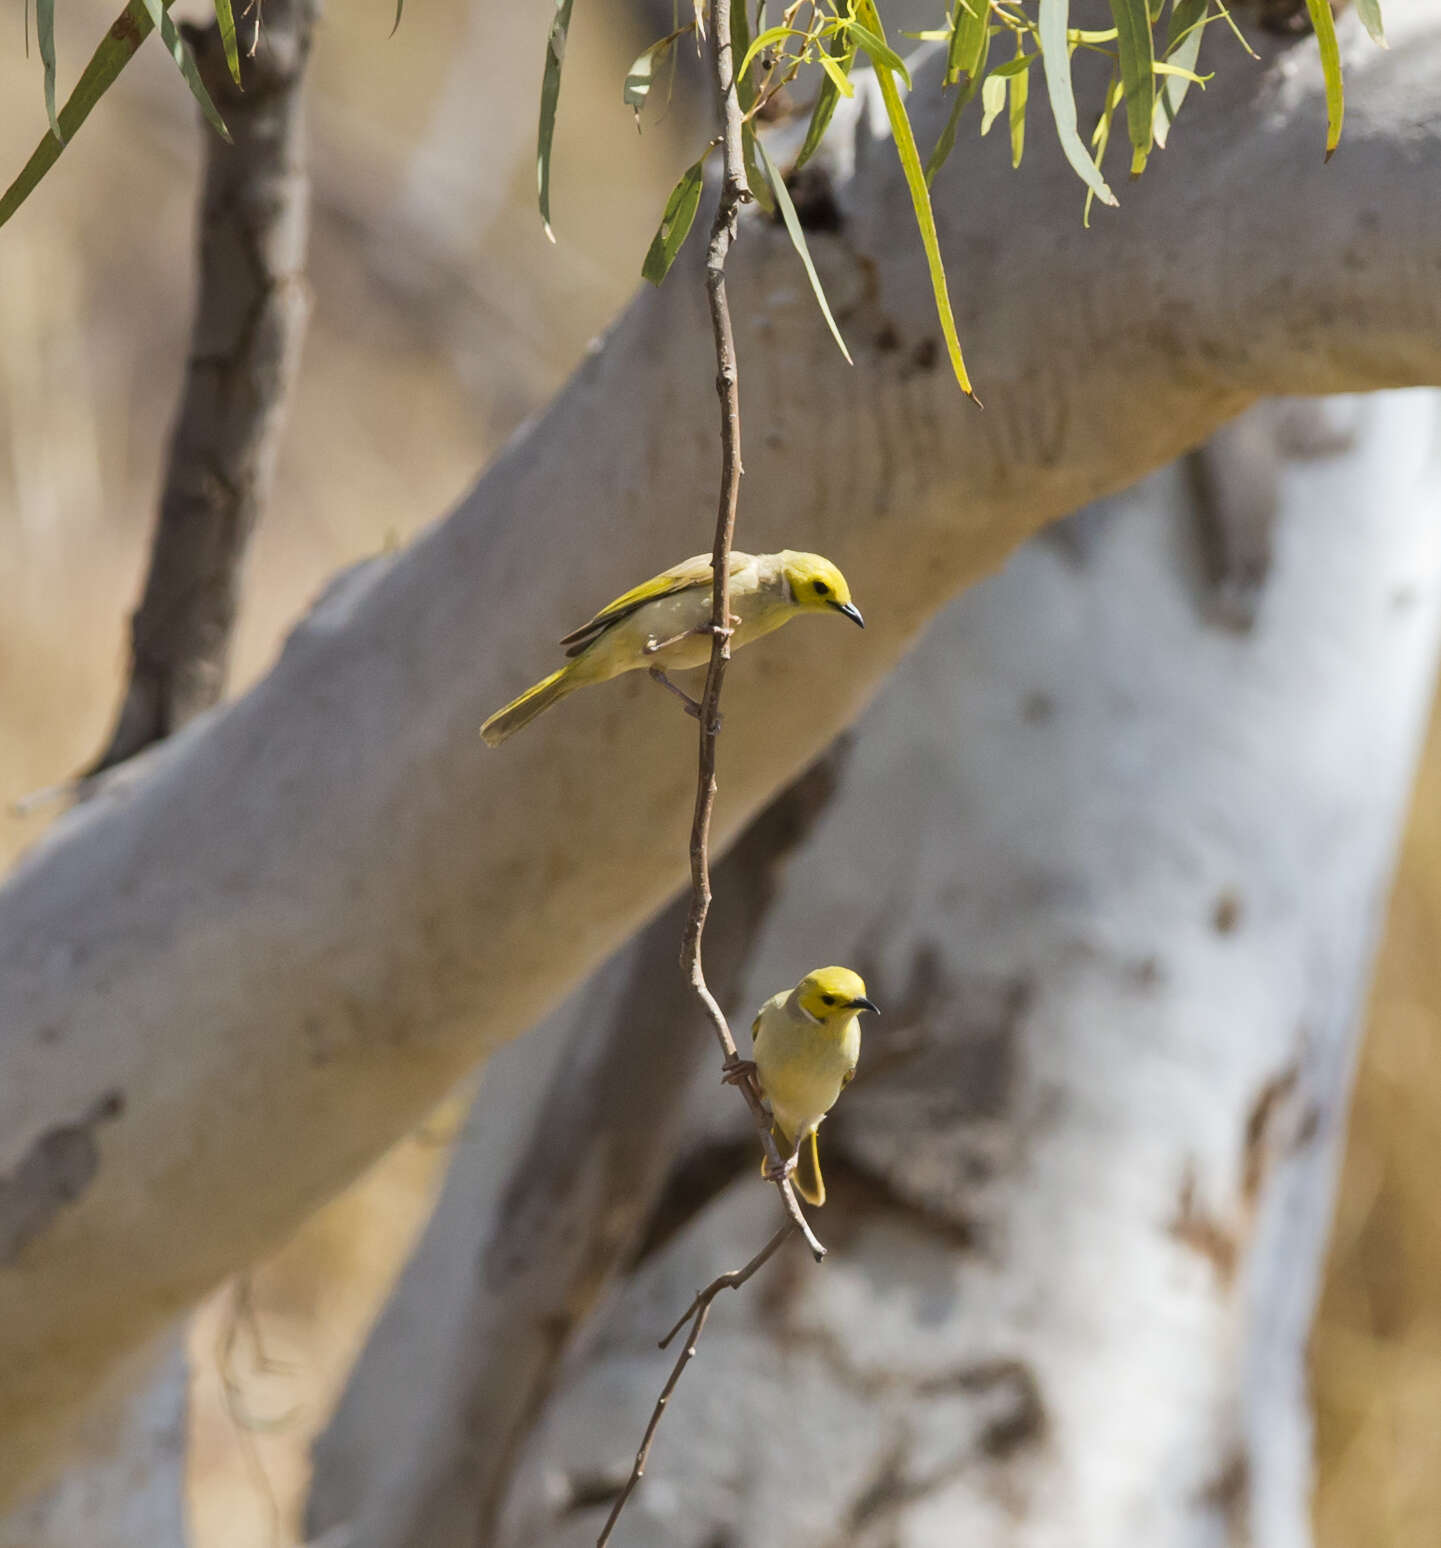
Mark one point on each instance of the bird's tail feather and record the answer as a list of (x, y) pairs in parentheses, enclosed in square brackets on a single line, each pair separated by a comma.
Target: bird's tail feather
[(807, 1175), (808, 1180), (520, 712)]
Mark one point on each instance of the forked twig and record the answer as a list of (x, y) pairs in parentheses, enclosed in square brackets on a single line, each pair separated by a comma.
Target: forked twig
[(695, 1314)]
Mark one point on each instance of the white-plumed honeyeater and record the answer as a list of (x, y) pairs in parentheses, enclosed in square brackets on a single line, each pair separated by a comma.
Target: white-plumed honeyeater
[(807, 1041), (665, 623)]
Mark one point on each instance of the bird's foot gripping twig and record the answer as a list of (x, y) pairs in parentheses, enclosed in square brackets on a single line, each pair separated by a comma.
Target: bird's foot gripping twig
[(653, 646), (775, 1174), (734, 1071), (692, 706)]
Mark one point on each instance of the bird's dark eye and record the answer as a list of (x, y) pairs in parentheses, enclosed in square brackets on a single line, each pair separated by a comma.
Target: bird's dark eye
[(828, 999), (821, 588)]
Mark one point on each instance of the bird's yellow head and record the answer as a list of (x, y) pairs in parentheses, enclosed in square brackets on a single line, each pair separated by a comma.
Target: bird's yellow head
[(833, 991), (817, 586)]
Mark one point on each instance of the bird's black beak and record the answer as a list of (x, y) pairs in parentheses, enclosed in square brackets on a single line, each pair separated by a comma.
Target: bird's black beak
[(854, 614), (863, 1004)]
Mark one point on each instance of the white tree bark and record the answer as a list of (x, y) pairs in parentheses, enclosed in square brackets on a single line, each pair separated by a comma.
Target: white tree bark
[(125, 1486), (1114, 875), (232, 981)]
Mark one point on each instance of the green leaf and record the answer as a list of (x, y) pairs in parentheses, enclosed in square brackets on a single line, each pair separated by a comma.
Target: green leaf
[(1230, 21), (675, 224), (1017, 66), (1101, 138), (836, 73), (993, 100), (549, 97), (765, 40), (1370, 13), (836, 85), (879, 51), (117, 47), (756, 178), (798, 241), (947, 138), (395, 25), (1053, 19), (910, 159), (1325, 25), (225, 20), (970, 36), (641, 76), (179, 51), (1183, 47), (45, 37), (1136, 47), (740, 47), (1020, 83)]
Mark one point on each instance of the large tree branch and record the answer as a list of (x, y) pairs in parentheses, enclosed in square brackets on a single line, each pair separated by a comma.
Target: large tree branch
[(239, 974)]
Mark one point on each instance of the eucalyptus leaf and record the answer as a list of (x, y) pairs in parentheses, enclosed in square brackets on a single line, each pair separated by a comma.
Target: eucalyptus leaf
[(836, 85), (993, 100), (179, 51), (946, 142), (225, 20), (740, 47), (1135, 46), (879, 51), (1019, 82), (767, 39), (1370, 13), (549, 97), (910, 159), (1183, 48), (756, 178), (970, 35), (1325, 25), (45, 38), (675, 224), (115, 51), (798, 240), (1052, 23)]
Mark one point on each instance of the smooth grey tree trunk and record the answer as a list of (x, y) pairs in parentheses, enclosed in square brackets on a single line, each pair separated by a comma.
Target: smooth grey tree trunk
[(1113, 866)]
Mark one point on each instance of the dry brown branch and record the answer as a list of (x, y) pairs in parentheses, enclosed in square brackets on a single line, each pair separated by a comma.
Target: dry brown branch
[(245, 339), (696, 1314)]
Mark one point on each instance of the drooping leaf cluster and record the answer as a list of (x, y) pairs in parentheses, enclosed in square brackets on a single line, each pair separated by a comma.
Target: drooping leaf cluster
[(1152, 47)]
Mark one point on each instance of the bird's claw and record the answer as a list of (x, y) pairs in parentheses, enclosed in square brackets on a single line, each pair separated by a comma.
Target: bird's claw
[(779, 1173), (737, 1070)]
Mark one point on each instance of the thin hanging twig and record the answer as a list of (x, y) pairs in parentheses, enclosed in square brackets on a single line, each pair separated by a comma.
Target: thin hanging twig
[(695, 1314)]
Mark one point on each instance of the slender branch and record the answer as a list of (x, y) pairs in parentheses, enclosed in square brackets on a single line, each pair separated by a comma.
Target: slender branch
[(245, 338), (696, 1314), (734, 192)]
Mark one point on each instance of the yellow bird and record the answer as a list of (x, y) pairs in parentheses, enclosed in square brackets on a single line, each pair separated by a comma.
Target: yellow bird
[(807, 1041), (665, 622)]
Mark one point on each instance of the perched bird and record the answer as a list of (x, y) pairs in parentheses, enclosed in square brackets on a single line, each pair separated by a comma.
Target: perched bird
[(665, 622), (807, 1041)]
